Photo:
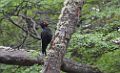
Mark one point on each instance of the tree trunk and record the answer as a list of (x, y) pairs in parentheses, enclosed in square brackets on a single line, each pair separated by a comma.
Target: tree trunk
[(25, 58), (65, 28)]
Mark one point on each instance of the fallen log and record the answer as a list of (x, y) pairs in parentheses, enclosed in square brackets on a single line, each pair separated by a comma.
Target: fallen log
[(25, 58)]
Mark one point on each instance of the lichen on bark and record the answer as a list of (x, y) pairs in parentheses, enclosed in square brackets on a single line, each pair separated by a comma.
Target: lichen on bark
[(65, 28)]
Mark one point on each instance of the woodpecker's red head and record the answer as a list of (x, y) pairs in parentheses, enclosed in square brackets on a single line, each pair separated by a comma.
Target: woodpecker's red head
[(44, 24)]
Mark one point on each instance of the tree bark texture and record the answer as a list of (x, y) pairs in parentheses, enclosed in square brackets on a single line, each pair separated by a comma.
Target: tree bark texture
[(25, 58), (65, 28)]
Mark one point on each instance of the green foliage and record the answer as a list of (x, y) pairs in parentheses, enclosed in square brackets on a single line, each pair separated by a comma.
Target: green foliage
[(18, 69), (110, 62), (90, 47), (11, 33)]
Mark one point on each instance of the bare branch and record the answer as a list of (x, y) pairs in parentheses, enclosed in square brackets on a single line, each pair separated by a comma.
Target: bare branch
[(21, 44), (25, 30), (31, 23)]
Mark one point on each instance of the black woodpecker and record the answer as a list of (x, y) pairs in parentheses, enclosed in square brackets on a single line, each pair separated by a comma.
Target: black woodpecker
[(46, 36)]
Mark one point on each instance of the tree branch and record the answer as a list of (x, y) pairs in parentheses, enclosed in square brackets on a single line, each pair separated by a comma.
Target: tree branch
[(23, 41), (31, 24), (25, 58), (26, 31)]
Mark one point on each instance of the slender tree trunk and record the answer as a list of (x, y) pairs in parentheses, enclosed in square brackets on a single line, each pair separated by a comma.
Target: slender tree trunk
[(65, 28)]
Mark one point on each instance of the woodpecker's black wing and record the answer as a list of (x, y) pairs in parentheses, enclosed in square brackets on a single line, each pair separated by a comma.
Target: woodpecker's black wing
[(46, 36)]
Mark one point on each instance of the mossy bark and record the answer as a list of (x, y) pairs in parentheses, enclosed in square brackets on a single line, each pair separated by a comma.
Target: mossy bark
[(65, 28)]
